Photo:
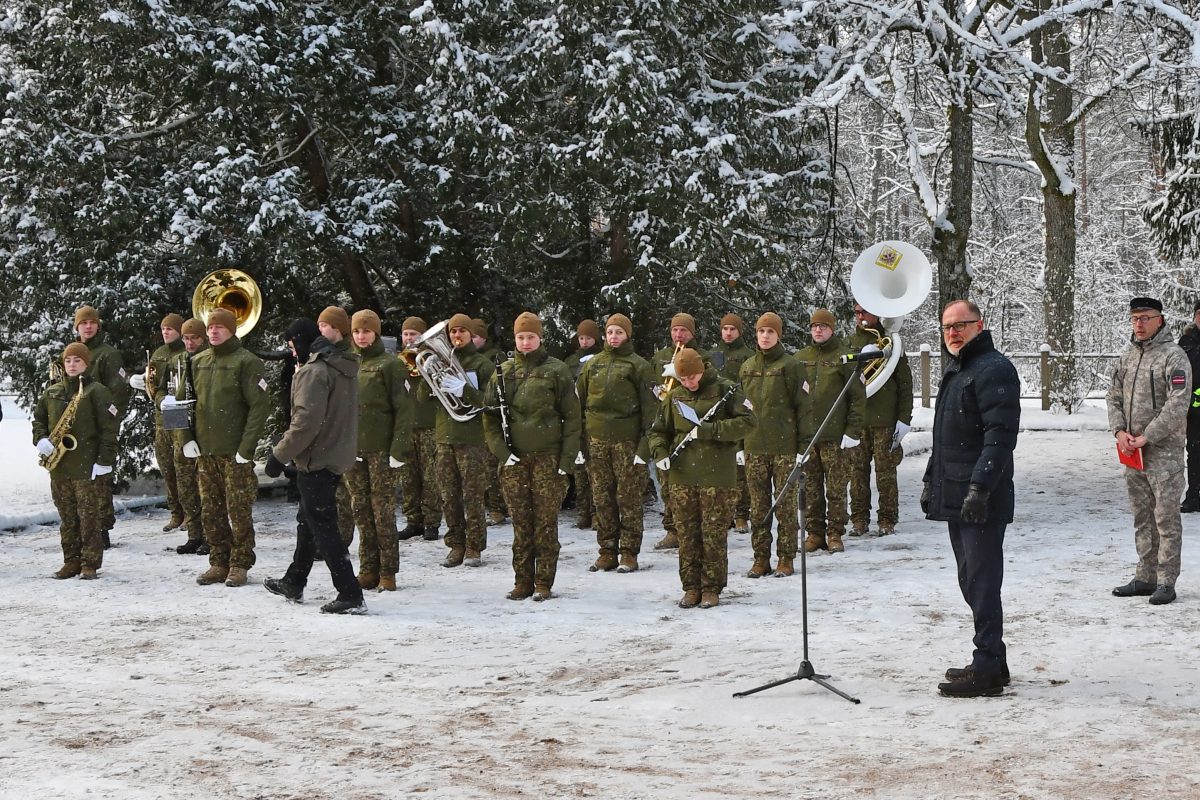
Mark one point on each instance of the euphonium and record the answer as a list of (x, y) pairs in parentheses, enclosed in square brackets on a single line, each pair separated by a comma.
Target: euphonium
[(61, 436), (434, 360)]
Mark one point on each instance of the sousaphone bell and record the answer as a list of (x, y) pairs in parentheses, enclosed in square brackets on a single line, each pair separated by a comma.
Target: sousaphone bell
[(232, 290), (891, 280)]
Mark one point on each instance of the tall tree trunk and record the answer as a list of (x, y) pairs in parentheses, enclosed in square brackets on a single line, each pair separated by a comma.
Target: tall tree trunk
[(950, 238), (1050, 135)]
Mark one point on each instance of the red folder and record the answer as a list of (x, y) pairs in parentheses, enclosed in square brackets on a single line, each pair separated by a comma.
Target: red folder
[(1134, 460)]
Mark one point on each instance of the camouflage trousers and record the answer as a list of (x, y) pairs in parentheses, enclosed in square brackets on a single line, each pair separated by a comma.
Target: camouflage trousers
[(741, 495), (345, 513), (373, 490), (702, 523), (1158, 530), (617, 489), (765, 475), (108, 516), (583, 485), (534, 492), (826, 476), (164, 454), (462, 474), (79, 504), (187, 480), (493, 497), (227, 493), (876, 445), (664, 485), (418, 482)]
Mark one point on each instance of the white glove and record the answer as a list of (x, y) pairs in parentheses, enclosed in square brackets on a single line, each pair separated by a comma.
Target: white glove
[(512, 459), (741, 458), (394, 464), (453, 385), (669, 370), (638, 460), (847, 442), (192, 449), (664, 464), (168, 402), (45, 447), (138, 382), (238, 458), (901, 431), (560, 472), (579, 459), (799, 458), (98, 470)]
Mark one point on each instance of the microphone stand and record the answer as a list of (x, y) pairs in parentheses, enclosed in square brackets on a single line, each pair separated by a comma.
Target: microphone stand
[(806, 672)]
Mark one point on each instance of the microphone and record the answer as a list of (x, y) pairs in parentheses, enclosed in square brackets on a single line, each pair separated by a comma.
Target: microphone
[(869, 353)]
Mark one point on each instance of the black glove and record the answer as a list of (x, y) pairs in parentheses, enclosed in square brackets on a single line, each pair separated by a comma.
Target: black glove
[(274, 466), (974, 507), (289, 469), (925, 499)]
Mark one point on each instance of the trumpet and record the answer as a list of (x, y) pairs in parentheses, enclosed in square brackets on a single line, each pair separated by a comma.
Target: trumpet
[(671, 382)]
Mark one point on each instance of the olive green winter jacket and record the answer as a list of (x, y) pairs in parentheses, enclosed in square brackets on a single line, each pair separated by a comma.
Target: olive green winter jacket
[(616, 391), (232, 400), (95, 427), (736, 353), (662, 358), (893, 401), (773, 382), (164, 360), (581, 356), (385, 411), (479, 371), (543, 410), (826, 375), (323, 431), (108, 367), (710, 459)]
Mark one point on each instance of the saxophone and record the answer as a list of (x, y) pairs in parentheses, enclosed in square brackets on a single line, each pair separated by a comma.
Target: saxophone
[(61, 436)]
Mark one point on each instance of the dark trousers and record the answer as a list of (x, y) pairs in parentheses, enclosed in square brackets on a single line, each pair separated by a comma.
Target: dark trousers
[(979, 551), (317, 531), (1193, 457)]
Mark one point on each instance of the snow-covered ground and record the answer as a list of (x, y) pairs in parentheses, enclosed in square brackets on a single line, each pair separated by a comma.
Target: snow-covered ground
[(145, 685)]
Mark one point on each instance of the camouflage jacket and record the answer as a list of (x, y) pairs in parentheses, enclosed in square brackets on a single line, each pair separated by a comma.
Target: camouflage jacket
[(1149, 396), (385, 411)]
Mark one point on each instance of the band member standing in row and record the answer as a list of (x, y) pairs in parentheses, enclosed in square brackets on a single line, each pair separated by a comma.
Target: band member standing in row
[(108, 367), (462, 452), (774, 383), (493, 497), (384, 437), (588, 344), (231, 410), (731, 353), (889, 417), (186, 473), (418, 477), (827, 470), (334, 324), (703, 473), (321, 440), (75, 481), (544, 428), (164, 441), (616, 392)]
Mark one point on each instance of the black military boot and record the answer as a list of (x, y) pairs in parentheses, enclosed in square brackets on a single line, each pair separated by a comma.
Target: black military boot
[(956, 674), (1134, 588), (1162, 595), (411, 531), (340, 606), (974, 684), (1191, 504), (203, 550), (284, 589), (431, 534), (107, 540), (190, 547)]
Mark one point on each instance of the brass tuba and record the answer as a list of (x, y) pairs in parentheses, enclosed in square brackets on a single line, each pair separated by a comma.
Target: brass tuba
[(233, 290), (889, 279), (434, 360)]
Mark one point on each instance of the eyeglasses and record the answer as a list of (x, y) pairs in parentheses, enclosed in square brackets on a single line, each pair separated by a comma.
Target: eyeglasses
[(958, 327), (1144, 318)]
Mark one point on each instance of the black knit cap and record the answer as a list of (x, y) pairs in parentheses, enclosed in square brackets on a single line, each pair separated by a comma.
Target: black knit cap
[(1196, 307), (302, 333), (1145, 304)]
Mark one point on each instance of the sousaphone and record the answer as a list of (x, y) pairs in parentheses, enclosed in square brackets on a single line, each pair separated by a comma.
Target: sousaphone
[(891, 280), (232, 290)]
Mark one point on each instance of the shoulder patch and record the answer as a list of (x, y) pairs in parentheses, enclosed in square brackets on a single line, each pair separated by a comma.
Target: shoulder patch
[(805, 387), (748, 404), (112, 409), (262, 384), (121, 372), (1178, 378)]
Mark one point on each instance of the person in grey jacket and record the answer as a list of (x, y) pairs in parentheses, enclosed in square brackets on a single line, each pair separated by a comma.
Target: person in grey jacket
[(322, 441), (1147, 411)]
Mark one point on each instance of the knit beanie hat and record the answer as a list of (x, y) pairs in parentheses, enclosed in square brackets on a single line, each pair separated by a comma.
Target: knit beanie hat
[(479, 328), (621, 321), (528, 322), (336, 317), (684, 320), (824, 317), (414, 324), (734, 320), (770, 320), (366, 320), (84, 313), (223, 316), (688, 362), (459, 321), (173, 321), (80, 350), (194, 327), (302, 333)]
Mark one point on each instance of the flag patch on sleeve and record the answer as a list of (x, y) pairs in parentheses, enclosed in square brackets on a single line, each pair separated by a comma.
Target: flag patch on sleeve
[(262, 384), (748, 404), (112, 409), (1178, 378)]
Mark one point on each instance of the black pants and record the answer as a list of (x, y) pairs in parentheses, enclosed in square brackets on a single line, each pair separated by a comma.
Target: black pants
[(317, 530), (1193, 457), (979, 551)]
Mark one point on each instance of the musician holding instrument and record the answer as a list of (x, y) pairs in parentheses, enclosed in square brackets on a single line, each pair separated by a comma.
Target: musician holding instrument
[(536, 439), (75, 430), (695, 439), (195, 341), (461, 446), (156, 384), (420, 495)]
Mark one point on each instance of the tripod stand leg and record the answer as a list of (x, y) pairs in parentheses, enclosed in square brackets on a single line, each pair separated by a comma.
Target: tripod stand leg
[(819, 680), (764, 687)]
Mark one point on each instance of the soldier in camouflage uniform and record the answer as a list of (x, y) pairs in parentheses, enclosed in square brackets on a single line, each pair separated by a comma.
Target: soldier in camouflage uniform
[(542, 444), (616, 392), (889, 418), (497, 511), (195, 341), (422, 498), (384, 436), (462, 452), (73, 481), (683, 335), (108, 367), (164, 441), (231, 408), (703, 474), (1148, 402), (774, 383), (827, 471), (587, 339), (730, 355)]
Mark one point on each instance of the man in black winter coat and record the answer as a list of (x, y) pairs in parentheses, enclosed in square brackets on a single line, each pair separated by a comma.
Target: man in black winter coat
[(969, 484), (1190, 342)]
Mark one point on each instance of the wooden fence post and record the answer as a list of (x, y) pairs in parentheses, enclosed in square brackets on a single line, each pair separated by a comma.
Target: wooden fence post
[(924, 376), (1045, 377)]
